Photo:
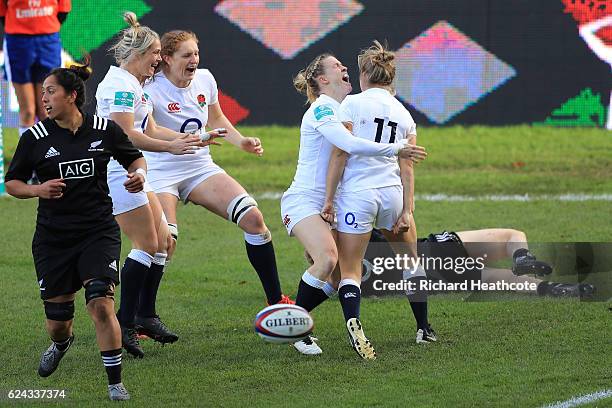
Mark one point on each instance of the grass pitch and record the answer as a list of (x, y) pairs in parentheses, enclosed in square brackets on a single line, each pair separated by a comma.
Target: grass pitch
[(522, 352)]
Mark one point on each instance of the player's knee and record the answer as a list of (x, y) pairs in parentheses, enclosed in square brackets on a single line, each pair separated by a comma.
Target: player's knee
[(326, 260), (516, 236), (239, 207), (62, 312), (99, 288), (100, 310), (150, 246), (253, 222)]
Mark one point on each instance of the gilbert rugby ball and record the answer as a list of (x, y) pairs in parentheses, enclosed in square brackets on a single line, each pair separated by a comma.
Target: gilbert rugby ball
[(283, 323)]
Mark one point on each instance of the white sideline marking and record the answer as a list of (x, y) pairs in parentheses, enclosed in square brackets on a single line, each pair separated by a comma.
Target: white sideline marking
[(583, 399), (274, 195)]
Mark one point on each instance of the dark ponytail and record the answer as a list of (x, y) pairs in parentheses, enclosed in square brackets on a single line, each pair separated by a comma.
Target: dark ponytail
[(73, 79)]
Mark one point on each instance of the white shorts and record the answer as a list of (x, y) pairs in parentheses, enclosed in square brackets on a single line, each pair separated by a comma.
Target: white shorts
[(124, 201), (299, 204), (181, 184), (360, 211)]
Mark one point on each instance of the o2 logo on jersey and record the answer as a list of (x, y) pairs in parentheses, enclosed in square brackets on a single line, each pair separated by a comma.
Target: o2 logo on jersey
[(174, 107), (76, 169), (191, 125), (349, 219)]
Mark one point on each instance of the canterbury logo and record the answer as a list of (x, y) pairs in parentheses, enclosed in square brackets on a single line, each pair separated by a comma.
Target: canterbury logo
[(286, 220), (350, 295), (174, 107)]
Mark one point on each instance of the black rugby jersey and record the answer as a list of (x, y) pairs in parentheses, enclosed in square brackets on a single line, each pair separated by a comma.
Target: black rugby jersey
[(80, 159)]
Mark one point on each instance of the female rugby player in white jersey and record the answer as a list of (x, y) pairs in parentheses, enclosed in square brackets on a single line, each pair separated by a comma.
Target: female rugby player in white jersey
[(375, 191), (326, 83), (184, 98), (121, 98)]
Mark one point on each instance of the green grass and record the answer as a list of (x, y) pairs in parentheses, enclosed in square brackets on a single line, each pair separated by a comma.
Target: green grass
[(521, 352)]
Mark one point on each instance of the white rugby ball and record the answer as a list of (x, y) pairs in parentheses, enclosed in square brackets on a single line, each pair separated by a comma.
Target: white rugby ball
[(283, 323)]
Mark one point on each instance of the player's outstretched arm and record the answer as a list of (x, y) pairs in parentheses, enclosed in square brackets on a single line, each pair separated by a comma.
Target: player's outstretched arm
[(185, 145), (218, 120)]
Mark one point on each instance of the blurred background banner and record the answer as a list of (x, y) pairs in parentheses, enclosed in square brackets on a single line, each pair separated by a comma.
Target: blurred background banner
[(487, 62)]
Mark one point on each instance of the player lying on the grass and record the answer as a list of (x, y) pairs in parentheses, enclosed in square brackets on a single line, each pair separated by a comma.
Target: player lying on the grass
[(376, 191), (325, 82), (77, 242), (192, 95), (121, 98), (498, 244)]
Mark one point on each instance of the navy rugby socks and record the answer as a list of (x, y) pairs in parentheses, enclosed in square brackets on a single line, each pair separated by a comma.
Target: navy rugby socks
[(418, 300), (133, 275), (260, 251), (148, 292), (349, 294), (312, 292)]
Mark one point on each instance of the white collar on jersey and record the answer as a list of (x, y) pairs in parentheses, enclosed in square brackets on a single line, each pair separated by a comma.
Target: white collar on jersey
[(123, 73), (327, 99), (379, 91)]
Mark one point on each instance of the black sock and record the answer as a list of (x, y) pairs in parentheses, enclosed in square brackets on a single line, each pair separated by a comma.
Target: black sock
[(350, 299), (133, 275), (62, 345), (419, 310), (418, 304), (112, 364), (264, 262), (309, 297), (148, 292)]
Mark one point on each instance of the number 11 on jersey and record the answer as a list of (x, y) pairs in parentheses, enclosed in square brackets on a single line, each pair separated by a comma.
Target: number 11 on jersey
[(379, 129)]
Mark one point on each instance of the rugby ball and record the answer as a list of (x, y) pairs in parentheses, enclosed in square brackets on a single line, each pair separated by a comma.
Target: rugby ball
[(283, 323)]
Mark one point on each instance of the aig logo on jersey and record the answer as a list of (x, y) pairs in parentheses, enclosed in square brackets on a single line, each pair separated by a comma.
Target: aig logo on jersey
[(76, 169), (174, 107)]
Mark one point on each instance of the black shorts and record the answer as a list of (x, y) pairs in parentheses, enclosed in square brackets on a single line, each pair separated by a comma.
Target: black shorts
[(63, 261), (448, 259)]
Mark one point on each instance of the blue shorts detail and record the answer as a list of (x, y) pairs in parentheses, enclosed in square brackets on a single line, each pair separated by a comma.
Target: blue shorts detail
[(29, 58)]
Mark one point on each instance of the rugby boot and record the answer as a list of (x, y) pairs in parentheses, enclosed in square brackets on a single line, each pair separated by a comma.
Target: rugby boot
[(129, 340), (359, 341), (308, 346), (155, 329), (523, 263), (51, 358)]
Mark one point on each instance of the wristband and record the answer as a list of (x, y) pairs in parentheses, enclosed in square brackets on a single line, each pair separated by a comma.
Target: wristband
[(400, 145), (142, 171)]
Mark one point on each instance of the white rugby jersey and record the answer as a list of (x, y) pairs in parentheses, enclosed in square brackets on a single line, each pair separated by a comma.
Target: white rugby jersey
[(120, 91), (377, 116), (183, 110), (315, 150)]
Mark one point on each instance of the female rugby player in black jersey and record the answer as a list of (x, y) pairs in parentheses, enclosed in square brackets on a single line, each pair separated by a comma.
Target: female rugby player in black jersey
[(77, 242)]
